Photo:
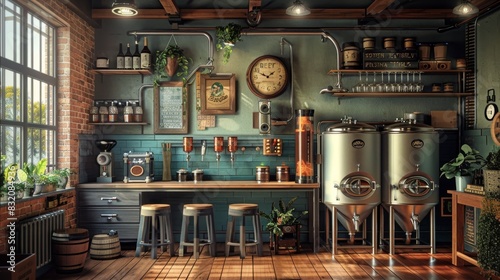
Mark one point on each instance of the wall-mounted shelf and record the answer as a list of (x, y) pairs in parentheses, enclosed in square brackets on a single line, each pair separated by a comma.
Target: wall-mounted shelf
[(120, 123), (416, 71), (121, 71), (402, 94)]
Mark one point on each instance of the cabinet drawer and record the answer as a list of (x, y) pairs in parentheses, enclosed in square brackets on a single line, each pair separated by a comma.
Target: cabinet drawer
[(126, 232), (108, 215), (101, 198)]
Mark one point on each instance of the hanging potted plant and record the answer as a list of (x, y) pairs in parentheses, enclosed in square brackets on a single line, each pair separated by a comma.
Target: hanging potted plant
[(463, 166), (227, 36), (169, 61)]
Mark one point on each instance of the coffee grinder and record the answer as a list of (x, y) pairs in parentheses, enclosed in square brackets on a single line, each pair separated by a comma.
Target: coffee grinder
[(105, 160)]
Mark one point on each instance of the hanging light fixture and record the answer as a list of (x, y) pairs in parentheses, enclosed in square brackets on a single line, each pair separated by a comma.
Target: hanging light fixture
[(465, 8), (297, 9), (124, 8)]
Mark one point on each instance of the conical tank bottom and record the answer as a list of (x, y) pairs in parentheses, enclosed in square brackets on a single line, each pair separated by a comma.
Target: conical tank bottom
[(348, 212), (408, 216)]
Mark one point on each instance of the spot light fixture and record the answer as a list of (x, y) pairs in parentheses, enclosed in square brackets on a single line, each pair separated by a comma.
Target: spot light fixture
[(124, 8), (465, 8), (297, 9)]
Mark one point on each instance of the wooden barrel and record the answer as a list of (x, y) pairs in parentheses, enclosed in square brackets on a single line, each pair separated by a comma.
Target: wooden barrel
[(69, 249), (105, 247)]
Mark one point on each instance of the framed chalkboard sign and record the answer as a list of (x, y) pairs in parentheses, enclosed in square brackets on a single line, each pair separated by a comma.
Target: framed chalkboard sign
[(171, 108)]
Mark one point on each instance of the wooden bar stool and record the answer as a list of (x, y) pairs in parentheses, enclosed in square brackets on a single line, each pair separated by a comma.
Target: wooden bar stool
[(148, 229), (243, 210), (195, 211)]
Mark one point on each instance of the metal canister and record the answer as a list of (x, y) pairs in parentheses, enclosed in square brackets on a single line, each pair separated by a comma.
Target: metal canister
[(262, 173), (389, 43), (282, 173), (198, 175), (182, 175), (351, 55), (369, 43)]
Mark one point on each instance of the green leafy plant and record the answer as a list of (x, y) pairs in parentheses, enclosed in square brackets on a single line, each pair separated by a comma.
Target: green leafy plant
[(283, 215), (227, 36), (488, 239), (493, 160), (50, 178), (160, 66), (30, 173), (465, 164)]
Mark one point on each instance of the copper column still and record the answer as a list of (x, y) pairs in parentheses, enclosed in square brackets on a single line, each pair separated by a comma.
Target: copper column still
[(218, 147), (232, 147), (304, 138), (187, 147)]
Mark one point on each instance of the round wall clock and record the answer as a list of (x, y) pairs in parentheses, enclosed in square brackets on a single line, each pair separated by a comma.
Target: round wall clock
[(267, 76), (490, 111)]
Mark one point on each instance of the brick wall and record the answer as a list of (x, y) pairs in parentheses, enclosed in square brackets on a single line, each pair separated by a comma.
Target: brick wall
[(75, 45)]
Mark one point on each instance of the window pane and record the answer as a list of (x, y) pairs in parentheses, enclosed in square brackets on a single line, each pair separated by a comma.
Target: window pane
[(11, 96), (40, 46), (40, 99), (11, 142), (40, 144), (11, 46)]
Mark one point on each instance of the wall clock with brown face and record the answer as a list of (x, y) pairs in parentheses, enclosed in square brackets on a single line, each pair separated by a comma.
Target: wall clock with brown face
[(267, 76)]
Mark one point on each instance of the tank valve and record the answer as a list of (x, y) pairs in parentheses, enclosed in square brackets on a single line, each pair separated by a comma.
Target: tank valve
[(415, 221), (355, 220), (408, 238)]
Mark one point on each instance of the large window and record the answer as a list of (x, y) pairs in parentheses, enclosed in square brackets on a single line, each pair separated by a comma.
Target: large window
[(27, 86)]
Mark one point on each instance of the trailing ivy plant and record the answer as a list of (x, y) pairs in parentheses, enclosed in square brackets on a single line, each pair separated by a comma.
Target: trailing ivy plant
[(227, 36), (172, 51)]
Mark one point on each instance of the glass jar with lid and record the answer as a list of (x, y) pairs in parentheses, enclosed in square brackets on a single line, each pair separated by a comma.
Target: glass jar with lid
[(104, 112), (113, 112), (138, 113), (94, 113), (128, 113)]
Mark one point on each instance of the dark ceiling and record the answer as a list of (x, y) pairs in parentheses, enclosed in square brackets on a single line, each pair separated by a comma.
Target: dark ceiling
[(272, 9)]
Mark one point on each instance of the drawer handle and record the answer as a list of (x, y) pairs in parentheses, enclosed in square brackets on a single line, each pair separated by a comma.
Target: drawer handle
[(109, 199), (109, 216)]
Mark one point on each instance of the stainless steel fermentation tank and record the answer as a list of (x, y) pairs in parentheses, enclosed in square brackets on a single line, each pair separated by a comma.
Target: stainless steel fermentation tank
[(351, 179), (410, 174)]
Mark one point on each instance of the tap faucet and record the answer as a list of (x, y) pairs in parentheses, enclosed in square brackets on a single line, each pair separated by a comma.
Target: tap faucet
[(203, 149)]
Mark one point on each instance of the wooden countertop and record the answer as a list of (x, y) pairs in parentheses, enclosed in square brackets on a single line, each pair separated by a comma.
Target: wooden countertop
[(202, 185)]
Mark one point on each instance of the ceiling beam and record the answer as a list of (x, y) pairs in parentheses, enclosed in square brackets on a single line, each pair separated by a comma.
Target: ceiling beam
[(199, 14), (169, 7), (378, 6)]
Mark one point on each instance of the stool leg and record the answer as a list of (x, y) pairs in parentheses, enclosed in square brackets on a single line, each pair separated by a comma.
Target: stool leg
[(211, 234), (163, 227), (229, 235), (258, 234), (154, 238), (185, 223), (242, 238), (170, 235), (140, 237), (196, 238)]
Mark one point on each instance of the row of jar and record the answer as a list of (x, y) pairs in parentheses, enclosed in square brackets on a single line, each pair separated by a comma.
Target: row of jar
[(114, 111)]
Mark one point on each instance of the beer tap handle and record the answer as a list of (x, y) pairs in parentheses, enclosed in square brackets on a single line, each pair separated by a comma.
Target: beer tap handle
[(203, 149)]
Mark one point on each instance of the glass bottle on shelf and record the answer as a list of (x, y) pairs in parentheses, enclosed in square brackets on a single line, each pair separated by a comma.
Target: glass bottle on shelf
[(128, 113), (138, 113), (145, 55), (113, 112), (120, 58), (128, 58), (94, 113), (103, 112), (136, 57)]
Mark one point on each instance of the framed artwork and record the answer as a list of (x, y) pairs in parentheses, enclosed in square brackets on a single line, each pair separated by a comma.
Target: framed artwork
[(171, 114), (446, 206), (218, 94)]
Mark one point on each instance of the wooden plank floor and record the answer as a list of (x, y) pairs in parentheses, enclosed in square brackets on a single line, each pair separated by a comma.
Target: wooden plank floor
[(348, 264)]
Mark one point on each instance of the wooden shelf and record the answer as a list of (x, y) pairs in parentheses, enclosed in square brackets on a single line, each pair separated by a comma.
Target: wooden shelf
[(121, 71), (120, 123), (357, 71), (401, 94)]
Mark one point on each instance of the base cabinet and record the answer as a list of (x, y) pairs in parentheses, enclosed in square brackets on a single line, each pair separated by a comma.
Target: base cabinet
[(100, 211)]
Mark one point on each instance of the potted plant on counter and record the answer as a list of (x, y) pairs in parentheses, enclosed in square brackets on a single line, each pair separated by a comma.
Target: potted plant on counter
[(283, 225), (63, 174), (463, 166), (227, 36), (169, 61)]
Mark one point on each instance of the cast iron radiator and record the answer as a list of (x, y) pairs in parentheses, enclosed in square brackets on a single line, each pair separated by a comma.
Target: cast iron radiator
[(34, 235)]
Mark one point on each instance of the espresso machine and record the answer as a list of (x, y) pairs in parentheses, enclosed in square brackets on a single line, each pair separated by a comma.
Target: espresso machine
[(105, 160)]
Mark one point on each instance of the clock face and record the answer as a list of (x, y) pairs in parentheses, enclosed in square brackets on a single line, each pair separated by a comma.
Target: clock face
[(267, 77), (490, 111)]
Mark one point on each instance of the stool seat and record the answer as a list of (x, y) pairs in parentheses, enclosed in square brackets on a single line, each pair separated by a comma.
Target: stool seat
[(195, 211), (154, 218), (243, 210)]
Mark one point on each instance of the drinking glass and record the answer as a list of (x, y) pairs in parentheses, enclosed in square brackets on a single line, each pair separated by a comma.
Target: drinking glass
[(380, 86)]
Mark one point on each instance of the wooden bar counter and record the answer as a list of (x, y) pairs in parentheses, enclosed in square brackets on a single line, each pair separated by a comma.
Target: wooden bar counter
[(104, 204), (459, 201)]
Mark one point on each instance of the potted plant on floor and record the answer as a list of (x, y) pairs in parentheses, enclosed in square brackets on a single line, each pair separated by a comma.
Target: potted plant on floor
[(283, 225), (169, 61), (227, 36), (488, 237), (463, 166), (491, 172)]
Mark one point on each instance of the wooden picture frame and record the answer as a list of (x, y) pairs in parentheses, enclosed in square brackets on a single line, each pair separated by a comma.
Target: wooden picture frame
[(218, 94), (171, 115), (446, 206)]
